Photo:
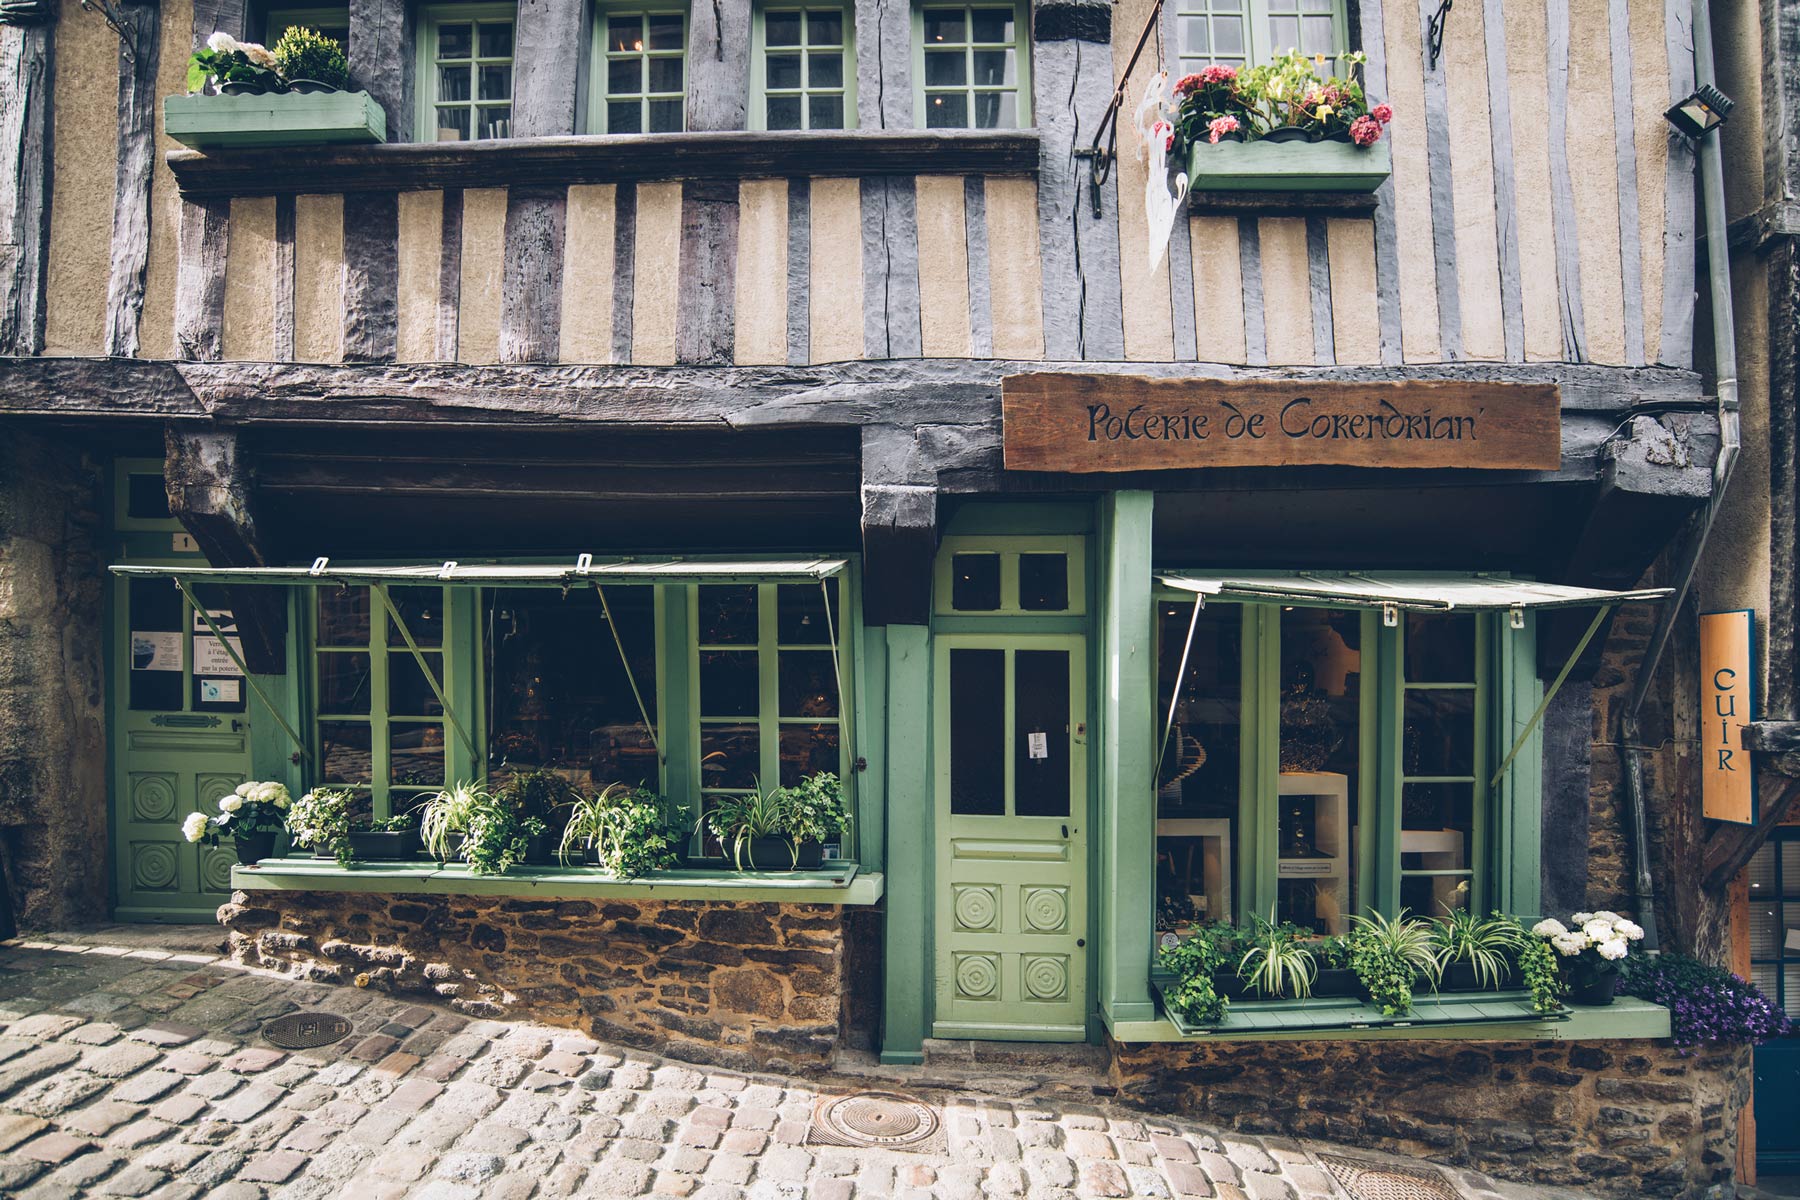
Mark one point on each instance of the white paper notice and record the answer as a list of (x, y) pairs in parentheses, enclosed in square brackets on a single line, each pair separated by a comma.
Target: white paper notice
[(1793, 939), (1037, 745), (211, 657), (155, 651), (220, 691)]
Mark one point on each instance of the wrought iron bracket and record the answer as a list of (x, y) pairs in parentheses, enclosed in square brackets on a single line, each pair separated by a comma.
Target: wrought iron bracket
[(1099, 160), (1434, 33), (109, 12)]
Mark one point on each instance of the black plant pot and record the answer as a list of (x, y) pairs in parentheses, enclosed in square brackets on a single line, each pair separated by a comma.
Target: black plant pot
[(540, 850), (1461, 977), (253, 847), (1289, 133), (1230, 985), (779, 854), (1592, 981), (308, 87), (370, 845), (241, 87), (1336, 981)]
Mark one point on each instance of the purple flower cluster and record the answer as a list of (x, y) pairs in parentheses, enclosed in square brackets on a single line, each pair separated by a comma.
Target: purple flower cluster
[(1707, 1005)]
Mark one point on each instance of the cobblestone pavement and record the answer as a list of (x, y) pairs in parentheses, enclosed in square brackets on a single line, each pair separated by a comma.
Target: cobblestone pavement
[(130, 1065)]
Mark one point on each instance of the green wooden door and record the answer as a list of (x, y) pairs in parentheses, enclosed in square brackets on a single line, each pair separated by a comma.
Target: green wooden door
[(1011, 805), (181, 740)]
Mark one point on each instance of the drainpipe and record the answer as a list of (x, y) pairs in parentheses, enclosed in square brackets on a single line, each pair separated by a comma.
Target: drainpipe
[(1718, 269)]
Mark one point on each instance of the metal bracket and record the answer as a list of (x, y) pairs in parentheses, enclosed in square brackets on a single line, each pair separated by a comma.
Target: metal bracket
[(110, 13), (1434, 33), (1099, 161), (319, 565), (1390, 616)]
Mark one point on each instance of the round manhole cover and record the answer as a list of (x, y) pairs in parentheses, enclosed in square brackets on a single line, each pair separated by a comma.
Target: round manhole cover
[(306, 1030), (879, 1119)]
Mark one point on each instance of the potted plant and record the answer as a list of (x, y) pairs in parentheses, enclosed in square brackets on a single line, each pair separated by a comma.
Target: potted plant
[(783, 829), (1277, 963), (1707, 1005), (628, 831), (321, 820), (494, 836), (444, 821), (1590, 951), (1192, 997), (1390, 955), (1539, 972), (241, 94), (541, 798), (390, 839), (812, 815), (253, 814), (1474, 952), (1237, 130), (1335, 977)]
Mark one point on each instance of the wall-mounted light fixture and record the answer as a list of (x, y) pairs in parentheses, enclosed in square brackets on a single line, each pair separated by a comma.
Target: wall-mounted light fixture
[(1702, 112)]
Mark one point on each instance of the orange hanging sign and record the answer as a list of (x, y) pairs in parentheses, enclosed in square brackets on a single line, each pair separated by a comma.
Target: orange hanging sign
[(1727, 696)]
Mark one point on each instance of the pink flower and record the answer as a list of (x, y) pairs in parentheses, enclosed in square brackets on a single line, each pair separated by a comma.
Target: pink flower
[(1382, 113), (1218, 74), (1187, 85), (1365, 131), (1218, 127), (1166, 132)]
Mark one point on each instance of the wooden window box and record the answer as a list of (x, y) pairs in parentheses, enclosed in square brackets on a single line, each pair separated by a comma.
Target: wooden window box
[(274, 119), (1265, 166)]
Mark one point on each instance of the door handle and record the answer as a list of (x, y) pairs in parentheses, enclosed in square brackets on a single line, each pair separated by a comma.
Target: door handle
[(1065, 830), (237, 726)]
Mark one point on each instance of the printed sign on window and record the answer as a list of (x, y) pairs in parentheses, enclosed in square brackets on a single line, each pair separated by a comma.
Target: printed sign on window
[(154, 651), (1037, 745), (220, 691)]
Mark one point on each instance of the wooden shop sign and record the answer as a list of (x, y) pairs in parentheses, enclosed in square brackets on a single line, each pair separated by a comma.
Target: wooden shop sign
[(1081, 423), (1727, 658)]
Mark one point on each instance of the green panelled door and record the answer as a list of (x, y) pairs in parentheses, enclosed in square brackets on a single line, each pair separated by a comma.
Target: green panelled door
[(1011, 804), (181, 740)]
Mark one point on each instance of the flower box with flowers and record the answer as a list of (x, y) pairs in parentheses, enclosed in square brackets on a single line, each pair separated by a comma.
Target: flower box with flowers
[(243, 95), (1281, 128)]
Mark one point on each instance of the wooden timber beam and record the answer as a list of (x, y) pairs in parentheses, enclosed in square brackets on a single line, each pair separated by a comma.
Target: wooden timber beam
[(210, 493), (27, 60), (899, 528)]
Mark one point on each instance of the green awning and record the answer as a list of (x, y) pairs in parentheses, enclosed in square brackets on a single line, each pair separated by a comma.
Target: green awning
[(1417, 593), (583, 570)]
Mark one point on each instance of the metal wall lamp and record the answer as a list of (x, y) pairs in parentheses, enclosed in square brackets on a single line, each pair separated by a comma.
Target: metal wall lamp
[(1702, 112)]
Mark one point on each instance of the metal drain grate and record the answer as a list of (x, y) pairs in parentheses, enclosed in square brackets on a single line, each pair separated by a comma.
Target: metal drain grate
[(306, 1030), (867, 1119), (1369, 1179)]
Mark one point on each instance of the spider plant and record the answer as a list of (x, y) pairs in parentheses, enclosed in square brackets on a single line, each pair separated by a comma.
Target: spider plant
[(738, 819), (1485, 943), (1277, 963), (1389, 953), (447, 816)]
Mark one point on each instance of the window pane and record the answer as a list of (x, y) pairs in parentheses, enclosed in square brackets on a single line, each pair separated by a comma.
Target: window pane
[(728, 615), (1284, 34), (496, 39), (801, 617), (422, 608), (808, 684), (943, 25), (784, 71), (947, 112), (453, 124), (1321, 676), (825, 70), (991, 25), (665, 116), (344, 752), (416, 754), (1044, 582), (728, 683), (825, 112), (1440, 648), (975, 582), (1437, 823), (783, 112), (730, 756), (624, 116), (825, 27), (977, 732), (1228, 37), (996, 110), (146, 499), (624, 76), (665, 31), (1317, 36), (781, 29), (343, 616), (343, 683), (1041, 733), (496, 122), (496, 83), (409, 692), (624, 34), (807, 750), (994, 68), (1439, 738), (453, 84), (157, 616), (946, 68), (665, 75), (453, 41), (1434, 894), (1193, 36)]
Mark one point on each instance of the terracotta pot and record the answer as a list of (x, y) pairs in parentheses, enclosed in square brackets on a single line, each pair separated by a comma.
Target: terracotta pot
[(252, 848)]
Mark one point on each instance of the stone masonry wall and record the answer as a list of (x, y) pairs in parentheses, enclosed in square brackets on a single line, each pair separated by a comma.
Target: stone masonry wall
[(740, 985), (53, 786), (1616, 1118)]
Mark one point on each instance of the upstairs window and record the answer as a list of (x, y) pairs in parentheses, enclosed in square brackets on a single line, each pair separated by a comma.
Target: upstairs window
[(974, 66), (641, 71), (334, 23), (805, 69), (1244, 33), (466, 73)]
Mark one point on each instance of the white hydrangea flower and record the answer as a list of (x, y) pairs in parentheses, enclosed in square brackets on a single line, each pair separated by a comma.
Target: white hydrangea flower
[(1607, 915), (258, 54), (1581, 918), (232, 803), (1549, 927), (1612, 949), (193, 828), (1597, 930), (1630, 929), (243, 789), (1570, 944), (223, 43)]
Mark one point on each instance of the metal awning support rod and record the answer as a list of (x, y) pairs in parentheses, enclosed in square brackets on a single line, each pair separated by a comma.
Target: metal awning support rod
[(845, 725), (1187, 648), (1562, 676), (237, 660), (437, 689), (625, 661)]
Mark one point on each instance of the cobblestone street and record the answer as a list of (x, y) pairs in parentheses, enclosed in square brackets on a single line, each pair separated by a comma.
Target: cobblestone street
[(131, 1064)]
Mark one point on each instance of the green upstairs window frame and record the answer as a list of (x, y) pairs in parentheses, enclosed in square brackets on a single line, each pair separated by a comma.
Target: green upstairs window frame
[(1248, 33), (639, 75), (973, 66), (803, 68), (465, 72), (764, 696), (334, 23)]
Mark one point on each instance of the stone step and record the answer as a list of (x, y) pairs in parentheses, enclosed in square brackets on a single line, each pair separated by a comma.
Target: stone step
[(1029, 1057)]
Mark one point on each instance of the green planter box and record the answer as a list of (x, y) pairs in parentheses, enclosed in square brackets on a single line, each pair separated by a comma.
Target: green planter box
[(287, 119), (1287, 167)]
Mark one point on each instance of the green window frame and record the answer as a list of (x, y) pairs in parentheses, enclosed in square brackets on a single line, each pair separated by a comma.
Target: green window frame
[(805, 98), (332, 22), (479, 107), (972, 73), (1248, 33), (772, 720), (629, 89), (1774, 910)]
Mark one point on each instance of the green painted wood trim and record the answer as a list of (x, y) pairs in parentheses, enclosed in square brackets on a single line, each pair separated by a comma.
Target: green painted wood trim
[(288, 119), (1518, 880), (1288, 167), (438, 687), (1627, 1018), (1021, 88), (759, 63), (271, 753), (1127, 825), (842, 884), (425, 60), (988, 518), (1008, 548), (1380, 869), (1259, 813), (870, 687), (907, 977), (463, 673), (676, 692)]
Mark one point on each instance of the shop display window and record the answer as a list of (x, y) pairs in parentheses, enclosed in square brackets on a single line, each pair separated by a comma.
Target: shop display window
[(1775, 920), (1198, 781), (1320, 766)]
